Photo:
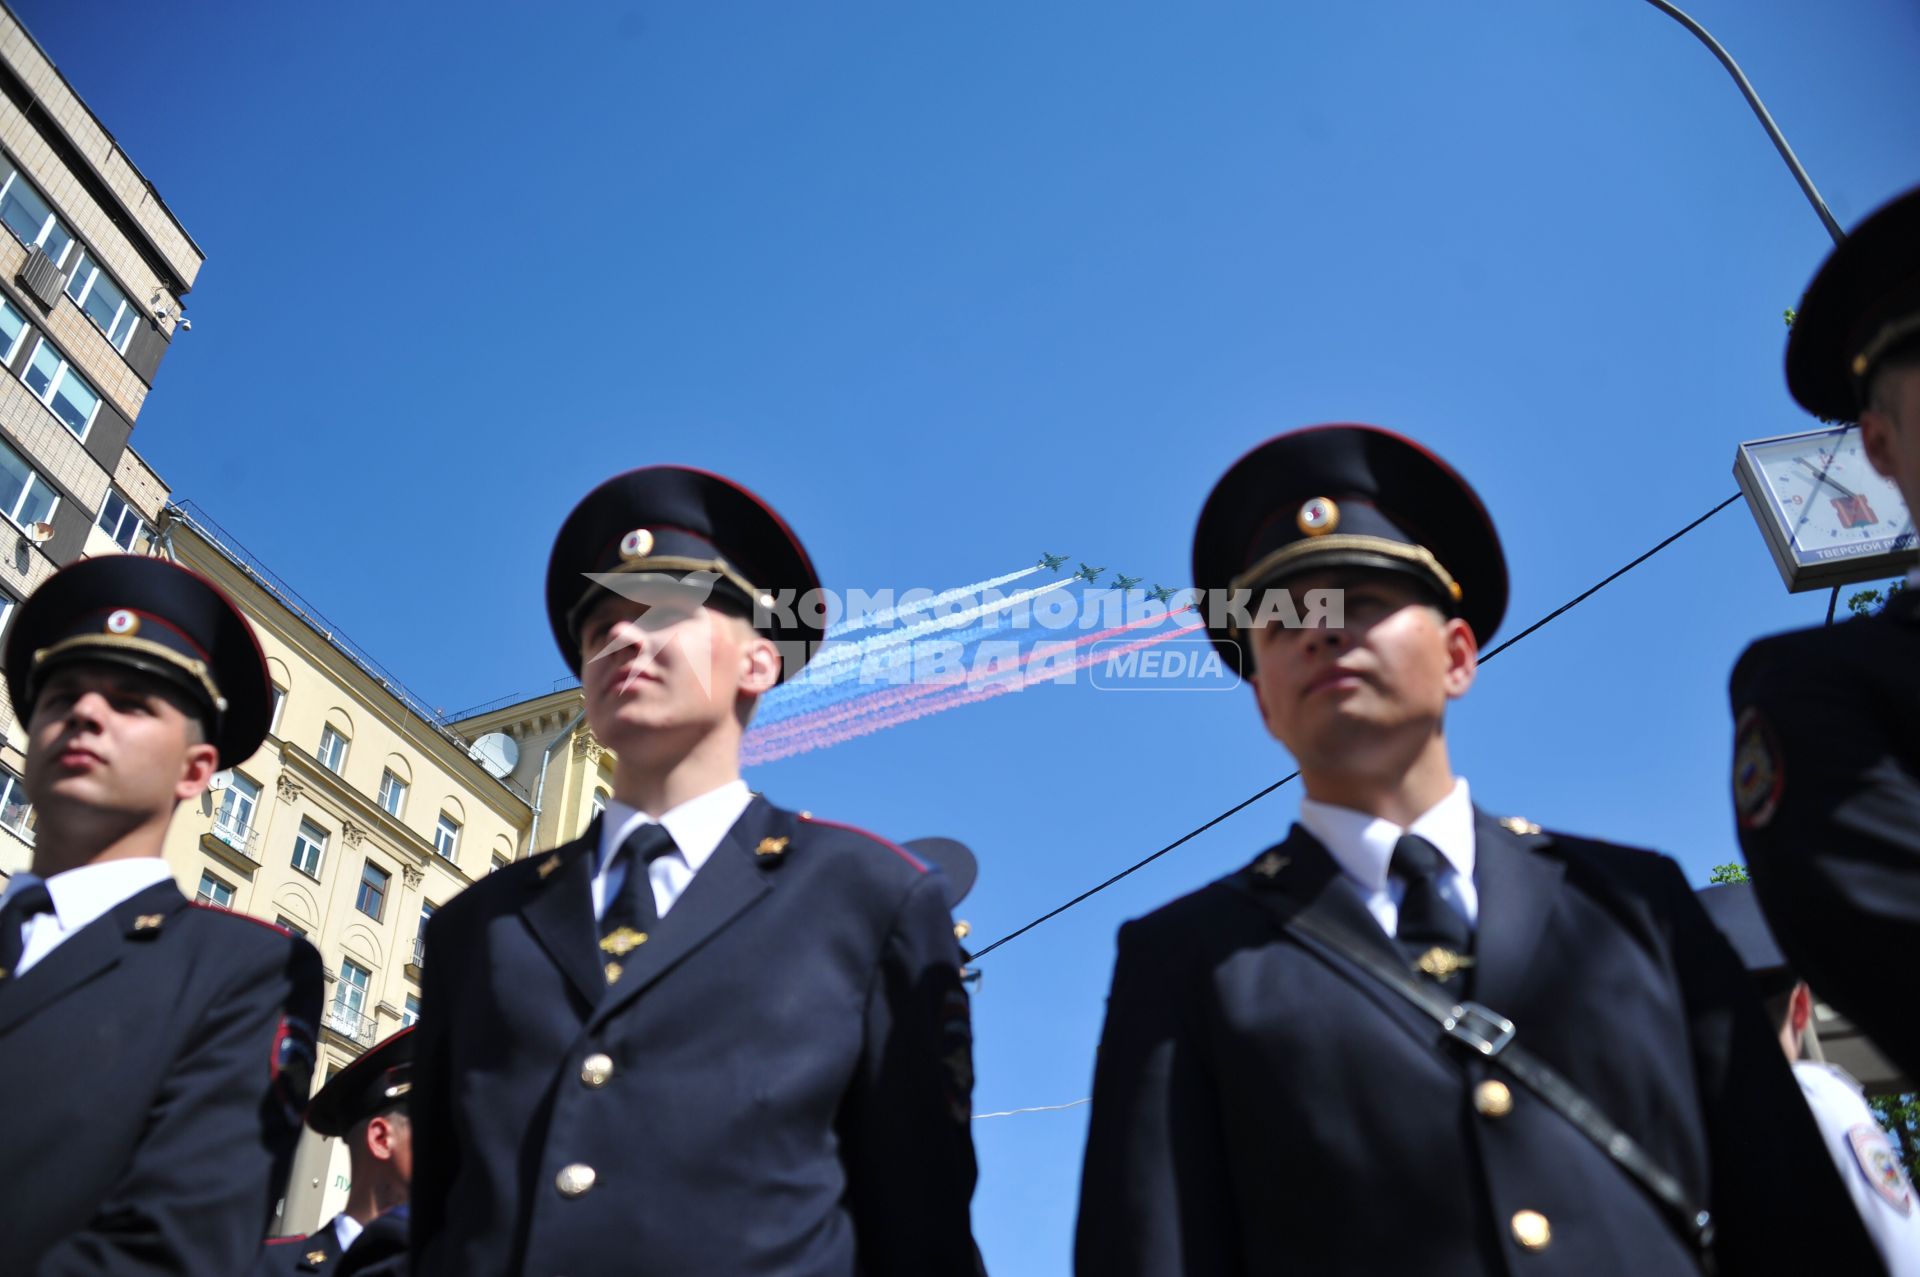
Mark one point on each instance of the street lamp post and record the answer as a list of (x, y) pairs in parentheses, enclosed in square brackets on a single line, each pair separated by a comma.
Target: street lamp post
[(1760, 110)]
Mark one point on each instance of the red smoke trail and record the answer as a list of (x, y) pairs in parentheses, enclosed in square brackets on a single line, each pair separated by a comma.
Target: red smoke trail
[(999, 686), (884, 698)]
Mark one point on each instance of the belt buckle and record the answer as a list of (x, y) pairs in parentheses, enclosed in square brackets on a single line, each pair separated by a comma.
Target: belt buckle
[(1483, 1029)]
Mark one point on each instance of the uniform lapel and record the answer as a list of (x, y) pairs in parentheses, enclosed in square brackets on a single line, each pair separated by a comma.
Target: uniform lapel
[(94, 949), (733, 880), (560, 914), (1517, 887), (325, 1244), (1299, 878)]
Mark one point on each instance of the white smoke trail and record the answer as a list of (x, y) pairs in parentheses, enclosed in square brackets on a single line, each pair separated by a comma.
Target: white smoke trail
[(882, 619)]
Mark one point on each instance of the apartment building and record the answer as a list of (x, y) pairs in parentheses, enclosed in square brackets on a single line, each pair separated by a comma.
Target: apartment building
[(93, 270)]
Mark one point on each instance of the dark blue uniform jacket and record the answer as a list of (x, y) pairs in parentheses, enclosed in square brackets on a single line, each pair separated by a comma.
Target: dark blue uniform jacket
[(786, 1080), (1261, 1106)]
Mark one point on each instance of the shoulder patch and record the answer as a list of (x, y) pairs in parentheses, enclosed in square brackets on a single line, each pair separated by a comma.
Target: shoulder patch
[(1758, 774), (918, 864), (290, 1067), (1878, 1163)]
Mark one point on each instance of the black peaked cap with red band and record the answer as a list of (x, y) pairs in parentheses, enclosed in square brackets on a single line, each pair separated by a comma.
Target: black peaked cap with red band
[(1346, 496), (376, 1083), (154, 616), (1863, 304), (673, 522)]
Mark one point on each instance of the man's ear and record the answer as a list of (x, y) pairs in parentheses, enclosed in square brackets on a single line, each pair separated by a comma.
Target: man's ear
[(202, 761), (1463, 657), (1876, 436), (760, 658)]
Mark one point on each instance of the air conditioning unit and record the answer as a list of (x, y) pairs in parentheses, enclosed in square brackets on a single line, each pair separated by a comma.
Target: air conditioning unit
[(42, 278)]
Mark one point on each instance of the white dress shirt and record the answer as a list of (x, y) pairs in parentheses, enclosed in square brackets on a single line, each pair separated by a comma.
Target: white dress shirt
[(345, 1229), (1362, 846), (80, 896), (1866, 1161), (697, 826)]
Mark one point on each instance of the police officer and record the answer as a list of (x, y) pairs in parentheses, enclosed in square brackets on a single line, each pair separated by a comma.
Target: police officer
[(1861, 1151), (366, 1105), (712, 1035), (1826, 769), (154, 1056), (1410, 1036)]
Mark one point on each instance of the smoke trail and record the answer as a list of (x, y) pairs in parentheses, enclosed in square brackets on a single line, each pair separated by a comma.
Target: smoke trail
[(875, 702), (834, 658), (882, 619), (907, 713)]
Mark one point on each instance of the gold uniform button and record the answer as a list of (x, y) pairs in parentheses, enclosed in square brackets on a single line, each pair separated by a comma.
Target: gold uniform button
[(596, 1069), (1492, 1099), (575, 1180), (1531, 1230)]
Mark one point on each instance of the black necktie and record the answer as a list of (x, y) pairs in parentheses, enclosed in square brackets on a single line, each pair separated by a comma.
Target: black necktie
[(32, 899), (630, 915), (1433, 933)]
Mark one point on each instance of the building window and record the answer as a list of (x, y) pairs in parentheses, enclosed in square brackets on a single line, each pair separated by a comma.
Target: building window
[(273, 715), (288, 924), (233, 823), (28, 215), (499, 862), (94, 291), (333, 749), (119, 522), (600, 797), (372, 898), (13, 326), (446, 836), (309, 848), (62, 389), (411, 1016), (420, 936), (213, 891), (16, 813), (25, 497), (393, 793), (350, 996), (6, 610)]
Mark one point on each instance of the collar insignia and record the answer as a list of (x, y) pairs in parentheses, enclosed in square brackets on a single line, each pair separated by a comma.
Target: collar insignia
[(1271, 864)]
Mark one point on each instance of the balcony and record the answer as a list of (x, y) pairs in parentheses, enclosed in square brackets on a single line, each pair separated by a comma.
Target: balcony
[(419, 960), (349, 1024), (237, 844)]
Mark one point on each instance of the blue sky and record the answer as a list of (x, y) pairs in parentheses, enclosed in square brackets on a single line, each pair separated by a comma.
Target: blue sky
[(954, 284)]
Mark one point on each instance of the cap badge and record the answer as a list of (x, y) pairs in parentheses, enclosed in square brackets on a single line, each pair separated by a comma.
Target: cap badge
[(122, 621), (1318, 517), (637, 544)]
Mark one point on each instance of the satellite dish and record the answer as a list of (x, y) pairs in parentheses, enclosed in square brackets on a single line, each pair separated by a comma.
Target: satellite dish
[(497, 752), (39, 533), (220, 780)]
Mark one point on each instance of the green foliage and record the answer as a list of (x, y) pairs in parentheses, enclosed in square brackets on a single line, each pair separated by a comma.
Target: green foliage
[(1789, 314), (1729, 873), (1869, 602), (1900, 1115)]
